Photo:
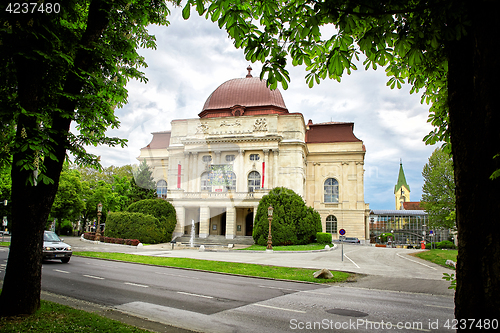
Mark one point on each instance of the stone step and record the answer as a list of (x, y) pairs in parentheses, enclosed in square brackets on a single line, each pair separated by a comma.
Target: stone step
[(215, 240)]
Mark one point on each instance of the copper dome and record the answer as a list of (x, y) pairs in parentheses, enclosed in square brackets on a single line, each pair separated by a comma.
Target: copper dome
[(248, 96)]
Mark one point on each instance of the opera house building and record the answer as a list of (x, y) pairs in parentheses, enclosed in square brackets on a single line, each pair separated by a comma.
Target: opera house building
[(215, 168)]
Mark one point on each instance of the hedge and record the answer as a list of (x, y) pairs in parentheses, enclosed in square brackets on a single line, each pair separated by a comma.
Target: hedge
[(92, 236), (140, 226), (323, 238)]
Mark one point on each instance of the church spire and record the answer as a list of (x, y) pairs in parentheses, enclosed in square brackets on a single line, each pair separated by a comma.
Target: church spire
[(402, 189), (401, 179)]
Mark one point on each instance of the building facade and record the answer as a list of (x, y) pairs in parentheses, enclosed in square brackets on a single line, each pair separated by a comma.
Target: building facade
[(216, 167)]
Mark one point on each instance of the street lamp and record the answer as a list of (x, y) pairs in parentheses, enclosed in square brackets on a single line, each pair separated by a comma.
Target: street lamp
[(98, 229), (269, 238)]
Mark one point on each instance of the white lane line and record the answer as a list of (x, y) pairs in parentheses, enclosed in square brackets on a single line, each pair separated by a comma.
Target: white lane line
[(136, 285), (416, 262), (345, 255), (439, 306), (268, 287), (276, 308), (195, 295), (177, 275), (93, 277), (58, 270)]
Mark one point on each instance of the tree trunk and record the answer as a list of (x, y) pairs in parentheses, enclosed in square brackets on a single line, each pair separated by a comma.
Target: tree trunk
[(31, 204), (475, 137)]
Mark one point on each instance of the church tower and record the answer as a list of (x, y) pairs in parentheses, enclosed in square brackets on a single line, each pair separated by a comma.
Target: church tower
[(402, 189)]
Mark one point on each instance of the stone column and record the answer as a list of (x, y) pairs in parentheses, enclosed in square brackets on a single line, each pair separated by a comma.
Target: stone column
[(275, 168), (196, 176), (230, 222), (204, 221), (240, 174), (266, 169), (187, 171), (217, 157), (181, 221)]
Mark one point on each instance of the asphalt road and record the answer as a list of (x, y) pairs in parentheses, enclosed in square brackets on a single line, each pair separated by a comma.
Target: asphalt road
[(210, 302)]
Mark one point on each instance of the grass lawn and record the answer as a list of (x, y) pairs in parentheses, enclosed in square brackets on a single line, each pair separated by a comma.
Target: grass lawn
[(438, 256), (56, 318), (277, 272), (308, 247)]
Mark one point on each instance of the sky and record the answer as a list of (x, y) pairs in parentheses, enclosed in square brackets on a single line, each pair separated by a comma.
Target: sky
[(194, 57)]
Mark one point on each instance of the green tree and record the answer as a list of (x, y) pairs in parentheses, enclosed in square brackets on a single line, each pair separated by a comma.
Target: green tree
[(143, 185), (68, 203), (438, 191), (56, 69), (446, 49), (293, 222)]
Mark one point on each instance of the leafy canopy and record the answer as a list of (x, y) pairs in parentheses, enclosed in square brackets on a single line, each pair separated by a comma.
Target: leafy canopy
[(405, 37), (73, 65)]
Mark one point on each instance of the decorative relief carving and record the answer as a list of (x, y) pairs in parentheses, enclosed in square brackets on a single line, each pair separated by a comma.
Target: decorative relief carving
[(202, 128), (260, 125), (228, 124)]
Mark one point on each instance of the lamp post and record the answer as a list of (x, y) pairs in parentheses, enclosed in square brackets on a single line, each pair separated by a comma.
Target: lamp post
[(98, 229), (269, 238)]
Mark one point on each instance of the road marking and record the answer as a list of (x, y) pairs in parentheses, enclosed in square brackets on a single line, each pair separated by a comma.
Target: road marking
[(276, 308), (177, 275), (196, 295), (268, 287), (58, 270), (416, 262), (440, 306), (345, 255), (136, 284), (94, 277)]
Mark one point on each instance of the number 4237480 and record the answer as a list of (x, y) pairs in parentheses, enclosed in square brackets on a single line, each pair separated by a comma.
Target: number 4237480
[(33, 7)]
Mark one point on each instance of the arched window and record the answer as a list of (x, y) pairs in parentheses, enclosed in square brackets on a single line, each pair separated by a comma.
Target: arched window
[(331, 224), (218, 182), (331, 190), (253, 181), (161, 188)]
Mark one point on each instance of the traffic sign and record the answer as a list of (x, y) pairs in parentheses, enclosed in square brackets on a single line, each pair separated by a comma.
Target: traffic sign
[(342, 232)]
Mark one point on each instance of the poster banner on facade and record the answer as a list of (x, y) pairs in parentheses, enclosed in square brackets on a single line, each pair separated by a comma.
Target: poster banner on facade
[(220, 176)]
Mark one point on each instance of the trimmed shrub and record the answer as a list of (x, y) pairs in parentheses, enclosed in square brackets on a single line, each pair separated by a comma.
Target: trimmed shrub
[(440, 245), (293, 222), (162, 210), (323, 238), (135, 226)]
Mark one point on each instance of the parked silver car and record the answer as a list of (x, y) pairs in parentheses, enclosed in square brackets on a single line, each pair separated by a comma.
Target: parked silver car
[(54, 248)]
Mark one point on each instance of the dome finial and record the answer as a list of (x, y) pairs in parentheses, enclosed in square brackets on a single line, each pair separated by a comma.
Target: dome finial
[(249, 69)]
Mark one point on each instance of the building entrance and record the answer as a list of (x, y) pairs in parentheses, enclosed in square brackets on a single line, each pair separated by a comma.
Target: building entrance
[(249, 224), (223, 224)]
